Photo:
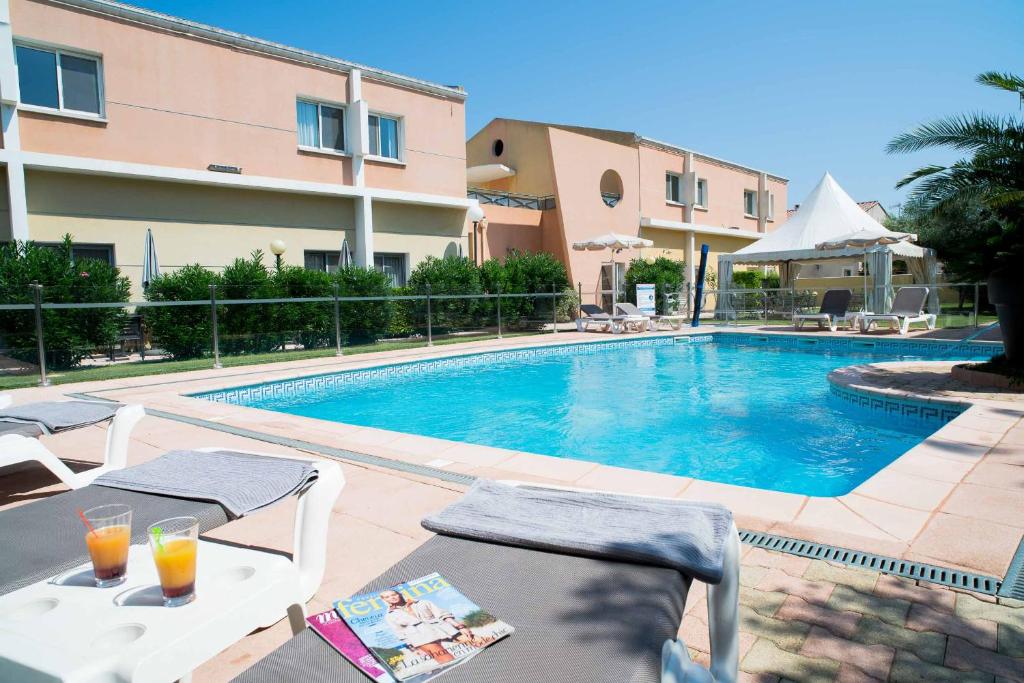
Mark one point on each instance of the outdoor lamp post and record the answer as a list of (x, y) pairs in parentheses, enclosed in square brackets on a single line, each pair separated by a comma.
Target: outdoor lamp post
[(278, 247), (475, 215)]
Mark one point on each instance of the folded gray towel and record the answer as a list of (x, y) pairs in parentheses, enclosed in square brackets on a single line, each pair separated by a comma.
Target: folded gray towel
[(688, 537), (240, 482), (59, 416)]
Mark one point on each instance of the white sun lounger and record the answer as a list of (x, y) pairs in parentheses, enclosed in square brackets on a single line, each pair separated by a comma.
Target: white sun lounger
[(593, 316), (16, 448), (907, 308), (834, 310), (634, 313)]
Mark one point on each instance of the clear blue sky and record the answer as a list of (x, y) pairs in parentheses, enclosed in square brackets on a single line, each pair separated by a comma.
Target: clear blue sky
[(795, 88)]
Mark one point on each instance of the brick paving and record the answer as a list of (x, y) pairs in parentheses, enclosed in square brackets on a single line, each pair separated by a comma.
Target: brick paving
[(810, 620)]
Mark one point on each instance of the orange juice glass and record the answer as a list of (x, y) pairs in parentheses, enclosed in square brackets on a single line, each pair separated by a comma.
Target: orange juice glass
[(174, 543), (108, 543)]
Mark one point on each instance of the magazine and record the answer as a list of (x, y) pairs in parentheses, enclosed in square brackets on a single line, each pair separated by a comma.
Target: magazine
[(422, 626), (338, 635)]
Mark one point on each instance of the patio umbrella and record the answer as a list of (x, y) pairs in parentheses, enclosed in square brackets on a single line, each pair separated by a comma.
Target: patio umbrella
[(345, 260), (150, 264), (616, 242)]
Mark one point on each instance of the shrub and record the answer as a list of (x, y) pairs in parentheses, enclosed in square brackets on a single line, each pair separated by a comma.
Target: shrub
[(524, 273), (448, 275), (310, 323), (247, 328), (69, 334), (667, 276), (746, 279), (364, 321), (182, 331)]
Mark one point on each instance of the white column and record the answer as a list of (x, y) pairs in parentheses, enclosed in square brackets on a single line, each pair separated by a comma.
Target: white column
[(691, 267), (9, 97), (358, 126), (689, 187), (364, 232), (762, 202)]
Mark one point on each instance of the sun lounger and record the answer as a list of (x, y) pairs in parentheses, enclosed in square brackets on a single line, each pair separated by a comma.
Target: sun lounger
[(576, 618), (834, 310), (593, 315), (634, 313), (16, 448), (907, 308), (43, 538)]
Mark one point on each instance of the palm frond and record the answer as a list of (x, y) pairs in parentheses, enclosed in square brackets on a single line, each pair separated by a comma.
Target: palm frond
[(963, 132), (1003, 81), (920, 173)]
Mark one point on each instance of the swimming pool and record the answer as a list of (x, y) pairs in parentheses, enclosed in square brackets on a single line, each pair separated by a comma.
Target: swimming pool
[(738, 408)]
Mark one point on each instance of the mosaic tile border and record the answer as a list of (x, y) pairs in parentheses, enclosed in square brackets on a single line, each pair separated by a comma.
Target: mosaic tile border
[(930, 349), (290, 388), (930, 412)]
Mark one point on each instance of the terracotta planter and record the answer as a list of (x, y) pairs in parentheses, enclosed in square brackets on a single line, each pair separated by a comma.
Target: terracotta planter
[(1006, 293)]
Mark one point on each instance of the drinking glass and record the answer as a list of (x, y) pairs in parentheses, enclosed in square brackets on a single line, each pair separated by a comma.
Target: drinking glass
[(174, 543), (108, 540)]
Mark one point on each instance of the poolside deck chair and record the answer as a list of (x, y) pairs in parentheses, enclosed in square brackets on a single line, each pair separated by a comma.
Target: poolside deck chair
[(576, 619), (42, 540), (594, 315), (834, 310), (15, 448), (907, 308), (653, 320)]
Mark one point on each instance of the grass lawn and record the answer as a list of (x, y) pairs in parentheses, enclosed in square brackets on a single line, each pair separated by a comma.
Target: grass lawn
[(163, 367)]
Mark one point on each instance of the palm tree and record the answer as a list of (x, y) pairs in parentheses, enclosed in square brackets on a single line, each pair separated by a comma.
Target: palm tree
[(993, 175)]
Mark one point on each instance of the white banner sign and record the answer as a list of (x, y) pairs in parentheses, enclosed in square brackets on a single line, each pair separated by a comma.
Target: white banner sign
[(645, 299)]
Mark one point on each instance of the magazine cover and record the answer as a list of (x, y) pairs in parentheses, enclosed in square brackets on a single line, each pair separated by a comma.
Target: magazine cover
[(339, 636), (420, 626)]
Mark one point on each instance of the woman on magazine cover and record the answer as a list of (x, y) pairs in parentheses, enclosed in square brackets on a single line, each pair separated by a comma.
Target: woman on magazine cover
[(422, 625)]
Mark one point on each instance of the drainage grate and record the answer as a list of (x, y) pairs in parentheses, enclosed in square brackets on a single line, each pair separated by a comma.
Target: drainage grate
[(1013, 584), (920, 571)]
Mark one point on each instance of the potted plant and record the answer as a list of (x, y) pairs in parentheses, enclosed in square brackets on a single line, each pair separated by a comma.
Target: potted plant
[(992, 176)]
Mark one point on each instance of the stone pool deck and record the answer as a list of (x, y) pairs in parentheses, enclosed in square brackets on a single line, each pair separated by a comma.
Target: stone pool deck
[(801, 619)]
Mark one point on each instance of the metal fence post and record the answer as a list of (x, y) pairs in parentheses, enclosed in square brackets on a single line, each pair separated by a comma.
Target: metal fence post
[(37, 298), (337, 323), (499, 310), (430, 329), (977, 293), (213, 325), (579, 303), (554, 310)]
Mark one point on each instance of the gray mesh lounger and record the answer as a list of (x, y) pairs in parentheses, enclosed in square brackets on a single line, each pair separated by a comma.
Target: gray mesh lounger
[(576, 619), (46, 537)]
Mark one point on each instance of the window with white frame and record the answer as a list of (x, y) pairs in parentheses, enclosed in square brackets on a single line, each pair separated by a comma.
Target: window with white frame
[(672, 188), (384, 140), (771, 206), (750, 202), (325, 261), (59, 79), (320, 126), (702, 193), (392, 265)]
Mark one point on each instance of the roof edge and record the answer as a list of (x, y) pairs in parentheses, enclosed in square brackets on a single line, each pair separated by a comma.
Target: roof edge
[(212, 33), (668, 146)]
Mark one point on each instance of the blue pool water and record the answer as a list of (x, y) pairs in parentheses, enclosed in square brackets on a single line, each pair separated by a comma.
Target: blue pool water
[(738, 413)]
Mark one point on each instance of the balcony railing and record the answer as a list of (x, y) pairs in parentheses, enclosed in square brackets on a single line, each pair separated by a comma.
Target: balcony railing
[(511, 199)]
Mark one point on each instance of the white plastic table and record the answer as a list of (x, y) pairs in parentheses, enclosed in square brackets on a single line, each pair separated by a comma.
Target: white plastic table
[(66, 629)]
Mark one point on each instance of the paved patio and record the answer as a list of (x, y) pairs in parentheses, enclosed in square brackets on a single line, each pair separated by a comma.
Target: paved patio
[(801, 620)]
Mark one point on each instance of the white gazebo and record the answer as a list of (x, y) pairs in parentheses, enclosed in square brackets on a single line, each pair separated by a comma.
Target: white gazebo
[(830, 225)]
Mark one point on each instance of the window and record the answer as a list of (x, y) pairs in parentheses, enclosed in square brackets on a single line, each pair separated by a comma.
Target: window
[(326, 261), (320, 126), (771, 206), (750, 203), (59, 80), (393, 265), (672, 188), (86, 252), (702, 193), (383, 136)]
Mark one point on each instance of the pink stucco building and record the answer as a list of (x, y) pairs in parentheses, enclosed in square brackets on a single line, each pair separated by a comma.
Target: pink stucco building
[(117, 119), (564, 184)]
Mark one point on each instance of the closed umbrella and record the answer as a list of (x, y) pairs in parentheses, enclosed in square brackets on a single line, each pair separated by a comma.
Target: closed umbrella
[(150, 263), (345, 260), (616, 242)]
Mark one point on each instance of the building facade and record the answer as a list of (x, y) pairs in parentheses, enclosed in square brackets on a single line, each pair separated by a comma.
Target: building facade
[(546, 186), (117, 119)]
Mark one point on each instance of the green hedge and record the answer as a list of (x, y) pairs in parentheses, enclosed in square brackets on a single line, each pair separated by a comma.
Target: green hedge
[(70, 335), (665, 274)]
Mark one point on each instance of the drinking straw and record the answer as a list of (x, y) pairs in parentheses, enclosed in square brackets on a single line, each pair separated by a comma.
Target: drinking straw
[(86, 521)]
